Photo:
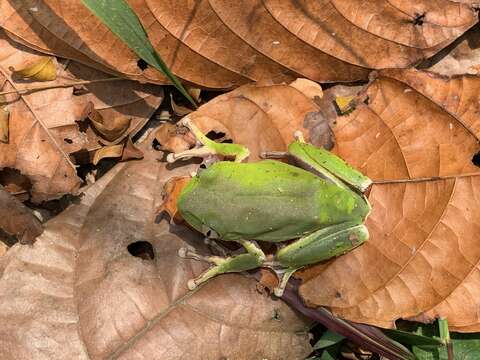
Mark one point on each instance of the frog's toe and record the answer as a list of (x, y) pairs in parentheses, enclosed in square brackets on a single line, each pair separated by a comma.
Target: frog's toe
[(298, 135), (191, 284), (171, 158), (278, 291), (182, 252)]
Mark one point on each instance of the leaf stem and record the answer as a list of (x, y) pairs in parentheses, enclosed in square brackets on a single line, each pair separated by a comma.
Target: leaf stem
[(433, 178), (58, 85), (445, 337)]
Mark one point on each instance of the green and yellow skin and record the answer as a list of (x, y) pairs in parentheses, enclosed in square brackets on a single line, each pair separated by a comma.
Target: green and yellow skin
[(320, 212)]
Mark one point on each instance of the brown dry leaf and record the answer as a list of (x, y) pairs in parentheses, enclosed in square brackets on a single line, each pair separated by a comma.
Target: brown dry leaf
[(4, 121), (416, 138), (223, 44), (43, 69), (130, 151), (263, 118), (110, 151), (81, 291), (112, 130), (3, 248), (462, 57), (173, 138), (16, 219), (42, 129)]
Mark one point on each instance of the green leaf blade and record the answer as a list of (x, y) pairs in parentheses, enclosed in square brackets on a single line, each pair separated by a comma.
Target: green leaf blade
[(119, 17)]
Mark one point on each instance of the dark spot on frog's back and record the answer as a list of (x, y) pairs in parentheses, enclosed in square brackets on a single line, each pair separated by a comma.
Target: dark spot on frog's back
[(294, 173), (354, 240)]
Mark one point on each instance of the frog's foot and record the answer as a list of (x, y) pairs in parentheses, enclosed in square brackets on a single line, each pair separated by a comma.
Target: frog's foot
[(187, 253), (208, 148), (250, 260), (203, 152), (298, 135)]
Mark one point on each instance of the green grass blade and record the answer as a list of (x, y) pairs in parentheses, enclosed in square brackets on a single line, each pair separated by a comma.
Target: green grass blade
[(119, 17)]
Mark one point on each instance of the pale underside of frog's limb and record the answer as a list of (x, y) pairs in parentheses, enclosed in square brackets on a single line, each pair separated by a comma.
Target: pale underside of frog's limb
[(209, 147), (318, 246), (252, 259)]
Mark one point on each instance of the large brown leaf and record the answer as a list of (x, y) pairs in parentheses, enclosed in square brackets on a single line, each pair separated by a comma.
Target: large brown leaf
[(42, 128), (416, 138), (264, 118), (223, 44), (78, 292)]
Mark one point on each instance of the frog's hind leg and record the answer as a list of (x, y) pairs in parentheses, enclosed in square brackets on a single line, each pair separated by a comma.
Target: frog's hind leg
[(253, 259), (321, 245)]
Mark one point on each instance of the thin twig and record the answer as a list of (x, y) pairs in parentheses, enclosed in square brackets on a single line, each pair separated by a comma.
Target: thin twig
[(433, 178), (58, 85)]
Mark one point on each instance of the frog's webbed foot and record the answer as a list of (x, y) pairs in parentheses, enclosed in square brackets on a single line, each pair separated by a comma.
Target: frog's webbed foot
[(208, 148), (221, 265)]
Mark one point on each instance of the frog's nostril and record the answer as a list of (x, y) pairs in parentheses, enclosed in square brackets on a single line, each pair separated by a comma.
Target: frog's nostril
[(141, 249)]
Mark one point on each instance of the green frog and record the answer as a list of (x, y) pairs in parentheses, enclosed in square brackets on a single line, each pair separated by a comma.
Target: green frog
[(313, 211)]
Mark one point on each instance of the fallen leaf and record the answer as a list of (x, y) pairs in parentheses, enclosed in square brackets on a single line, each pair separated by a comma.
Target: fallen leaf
[(3, 248), (268, 42), (4, 119), (171, 191), (18, 220), (81, 291), (43, 132), (179, 110), (130, 151), (195, 93), (109, 151), (173, 138), (416, 139), (462, 57), (344, 104), (43, 69), (110, 130)]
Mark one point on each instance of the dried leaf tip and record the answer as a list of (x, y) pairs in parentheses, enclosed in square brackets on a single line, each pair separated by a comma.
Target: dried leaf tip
[(44, 69)]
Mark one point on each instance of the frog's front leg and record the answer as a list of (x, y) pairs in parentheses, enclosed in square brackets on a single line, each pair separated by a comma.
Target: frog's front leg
[(320, 245), (253, 259), (209, 147)]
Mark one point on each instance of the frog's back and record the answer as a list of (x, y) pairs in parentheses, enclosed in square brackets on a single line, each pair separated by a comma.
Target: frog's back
[(266, 200)]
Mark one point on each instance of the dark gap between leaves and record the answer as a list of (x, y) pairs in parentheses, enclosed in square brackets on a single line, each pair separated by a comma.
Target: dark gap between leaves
[(142, 64), (476, 159)]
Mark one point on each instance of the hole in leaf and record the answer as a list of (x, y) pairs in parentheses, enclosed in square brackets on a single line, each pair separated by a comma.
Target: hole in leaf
[(164, 215), (156, 145), (141, 249), (476, 159), (418, 19), (142, 64), (213, 135), (68, 141)]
